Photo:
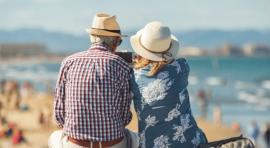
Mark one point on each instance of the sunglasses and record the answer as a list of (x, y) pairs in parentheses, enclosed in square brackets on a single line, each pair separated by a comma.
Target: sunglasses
[(119, 41)]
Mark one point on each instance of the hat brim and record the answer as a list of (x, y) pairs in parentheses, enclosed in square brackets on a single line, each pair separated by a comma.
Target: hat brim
[(103, 33), (137, 47)]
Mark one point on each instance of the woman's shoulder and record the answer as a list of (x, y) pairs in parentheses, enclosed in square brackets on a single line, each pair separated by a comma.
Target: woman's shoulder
[(181, 65), (181, 60)]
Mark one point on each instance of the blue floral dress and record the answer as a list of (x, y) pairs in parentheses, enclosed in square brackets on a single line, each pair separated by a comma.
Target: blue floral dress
[(163, 108)]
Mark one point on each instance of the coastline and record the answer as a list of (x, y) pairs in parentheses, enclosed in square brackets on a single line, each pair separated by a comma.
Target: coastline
[(32, 60), (38, 136)]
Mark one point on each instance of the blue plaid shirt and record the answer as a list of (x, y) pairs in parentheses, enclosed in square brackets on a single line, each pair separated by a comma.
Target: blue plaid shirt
[(92, 98)]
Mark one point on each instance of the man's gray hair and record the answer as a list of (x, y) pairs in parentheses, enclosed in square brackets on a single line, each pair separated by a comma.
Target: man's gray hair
[(109, 40)]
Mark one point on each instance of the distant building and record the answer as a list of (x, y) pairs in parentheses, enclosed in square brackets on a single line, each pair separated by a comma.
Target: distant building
[(191, 51), (256, 50), (248, 49), (262, 50), (231, 50), (8, 50)]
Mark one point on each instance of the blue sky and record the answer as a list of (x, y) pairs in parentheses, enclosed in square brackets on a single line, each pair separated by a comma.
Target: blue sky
[(75, 15)]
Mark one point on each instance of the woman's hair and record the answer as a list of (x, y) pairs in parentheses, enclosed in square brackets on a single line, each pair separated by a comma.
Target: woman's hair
[(140, 62)]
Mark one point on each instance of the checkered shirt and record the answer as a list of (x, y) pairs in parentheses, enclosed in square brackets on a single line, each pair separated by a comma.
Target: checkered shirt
[(92, 96)]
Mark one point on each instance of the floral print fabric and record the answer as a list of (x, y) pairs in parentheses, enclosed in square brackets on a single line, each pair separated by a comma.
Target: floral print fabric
[(163, 107)]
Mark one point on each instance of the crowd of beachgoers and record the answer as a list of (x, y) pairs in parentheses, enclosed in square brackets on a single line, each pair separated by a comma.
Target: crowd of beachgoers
[(26, 112)]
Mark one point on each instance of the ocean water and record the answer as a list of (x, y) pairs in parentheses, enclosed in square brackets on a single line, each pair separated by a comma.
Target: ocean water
[(241, 86)]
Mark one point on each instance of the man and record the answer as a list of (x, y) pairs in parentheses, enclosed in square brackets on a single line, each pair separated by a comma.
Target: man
[(92, 99), (203, 103)]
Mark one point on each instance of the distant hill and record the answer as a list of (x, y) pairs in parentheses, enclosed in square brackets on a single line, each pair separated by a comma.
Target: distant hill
[(63, 42), (215, 38), (55, 41)]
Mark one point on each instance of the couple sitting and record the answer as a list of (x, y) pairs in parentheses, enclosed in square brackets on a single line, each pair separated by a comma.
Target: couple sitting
[(95, 89)]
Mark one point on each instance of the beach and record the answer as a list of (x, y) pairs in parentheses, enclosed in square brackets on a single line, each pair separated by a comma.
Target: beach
[(241, 93), (37, 135)]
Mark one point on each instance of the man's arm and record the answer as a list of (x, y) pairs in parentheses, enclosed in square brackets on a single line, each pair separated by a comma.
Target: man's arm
[(126, 114), (59, 99)]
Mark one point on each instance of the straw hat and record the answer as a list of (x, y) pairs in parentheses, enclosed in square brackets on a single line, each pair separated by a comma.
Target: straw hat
[(155, 42), (105, 25)]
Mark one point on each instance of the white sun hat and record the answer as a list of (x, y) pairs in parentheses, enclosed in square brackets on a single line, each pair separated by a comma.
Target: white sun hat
[(155, 42), (105, 25)]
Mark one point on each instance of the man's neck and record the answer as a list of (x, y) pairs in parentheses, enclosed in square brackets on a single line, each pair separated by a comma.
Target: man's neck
[(106, 46)]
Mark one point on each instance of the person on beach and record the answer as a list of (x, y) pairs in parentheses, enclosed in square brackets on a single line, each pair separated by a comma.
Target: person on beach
[(93, 97), (11, 95), (254, 132), (159, 86), (18, 137), (203, 103), (217, 114), (266, 135)]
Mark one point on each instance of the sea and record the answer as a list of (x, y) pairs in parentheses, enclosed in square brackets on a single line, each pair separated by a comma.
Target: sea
[(239, 85)]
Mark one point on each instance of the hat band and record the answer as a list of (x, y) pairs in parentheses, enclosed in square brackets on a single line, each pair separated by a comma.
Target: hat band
[(113, 31), (151, 50)]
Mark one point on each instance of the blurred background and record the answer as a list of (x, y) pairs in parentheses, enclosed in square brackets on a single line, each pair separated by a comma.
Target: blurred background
[(227, 44)]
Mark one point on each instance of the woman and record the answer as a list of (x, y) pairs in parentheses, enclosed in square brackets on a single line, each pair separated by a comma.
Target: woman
[(159, 85)]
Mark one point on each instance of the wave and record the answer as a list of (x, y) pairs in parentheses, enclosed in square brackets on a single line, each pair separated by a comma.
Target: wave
[(266, 84), (215, 81), (244, 85), (253, 98), (35, 75), (193, 80)]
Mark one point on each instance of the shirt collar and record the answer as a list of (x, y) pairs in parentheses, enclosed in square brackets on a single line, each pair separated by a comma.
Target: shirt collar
[(101, 46)]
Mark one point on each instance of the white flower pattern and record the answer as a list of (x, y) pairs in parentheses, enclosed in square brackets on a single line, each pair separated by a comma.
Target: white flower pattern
[(157, 90), (196, 140), (179, 134), (150, 121), (185, 124), (182, 96), (185, 120), (161, 142), (174, 113), (177, 65), (154, 91), (163, 75), (170, 83)]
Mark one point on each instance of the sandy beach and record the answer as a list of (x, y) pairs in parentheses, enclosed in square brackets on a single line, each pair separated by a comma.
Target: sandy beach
[(37, 135)]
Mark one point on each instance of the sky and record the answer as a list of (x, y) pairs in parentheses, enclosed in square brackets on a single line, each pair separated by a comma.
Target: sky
[(73, 16)]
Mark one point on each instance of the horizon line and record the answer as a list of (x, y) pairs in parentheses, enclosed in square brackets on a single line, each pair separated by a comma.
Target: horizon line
[(135, 29)]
